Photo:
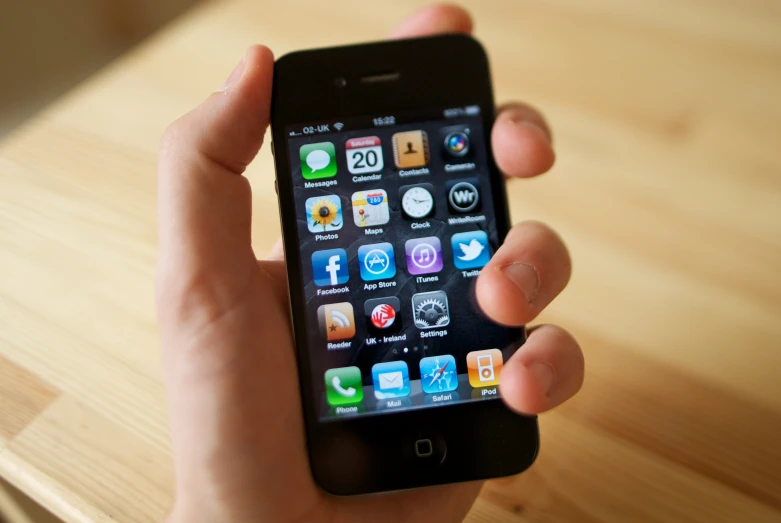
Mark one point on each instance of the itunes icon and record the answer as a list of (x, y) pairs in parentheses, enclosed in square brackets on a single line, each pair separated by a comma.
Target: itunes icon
[(424, 255)]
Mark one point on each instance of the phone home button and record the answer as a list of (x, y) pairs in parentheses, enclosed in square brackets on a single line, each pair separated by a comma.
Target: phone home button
[(427, 449), (424, 448)]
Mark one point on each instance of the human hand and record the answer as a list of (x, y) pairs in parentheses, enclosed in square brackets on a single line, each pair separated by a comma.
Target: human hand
[(237, 429)]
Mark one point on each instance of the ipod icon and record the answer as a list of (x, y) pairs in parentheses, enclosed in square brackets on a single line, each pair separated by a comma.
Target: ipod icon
[(484, 367)]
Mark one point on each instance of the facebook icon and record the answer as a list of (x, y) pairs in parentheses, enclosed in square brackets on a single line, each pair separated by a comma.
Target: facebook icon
[(330, 267)]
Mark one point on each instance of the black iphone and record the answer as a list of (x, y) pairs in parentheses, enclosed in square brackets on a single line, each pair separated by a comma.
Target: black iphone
[(391, 205)]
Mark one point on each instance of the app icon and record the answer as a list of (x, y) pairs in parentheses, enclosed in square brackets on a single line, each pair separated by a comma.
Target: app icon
[(456, 141), (470, 249), (383, 314), (438, 374), (484, 367), (330, 267), (424, 255), (417, 201), (370, 208), (377, 261), (391, 380), (318, 160), (343, 386), (430, 310), (364, 155), (336, 320), (463, 195), (410, 149), (324, 213)]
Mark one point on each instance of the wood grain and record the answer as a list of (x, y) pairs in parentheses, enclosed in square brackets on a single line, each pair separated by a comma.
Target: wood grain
[(667, 189), (70, 458), (22, 398)]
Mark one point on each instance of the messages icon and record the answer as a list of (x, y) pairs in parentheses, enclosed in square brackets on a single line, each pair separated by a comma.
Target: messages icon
[(318, 160)]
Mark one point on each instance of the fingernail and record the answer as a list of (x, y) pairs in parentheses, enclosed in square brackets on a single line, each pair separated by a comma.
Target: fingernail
[(545, 375), (525, 277), (537, 129), (234, 76)]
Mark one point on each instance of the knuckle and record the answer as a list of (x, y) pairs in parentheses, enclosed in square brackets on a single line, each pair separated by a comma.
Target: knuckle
[(170, 138), (194, 298)]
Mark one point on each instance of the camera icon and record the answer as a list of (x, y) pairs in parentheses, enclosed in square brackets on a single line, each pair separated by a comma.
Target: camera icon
[(456, 142)]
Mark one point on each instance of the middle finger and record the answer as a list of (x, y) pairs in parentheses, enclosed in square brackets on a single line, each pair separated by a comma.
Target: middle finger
[(530, 269)]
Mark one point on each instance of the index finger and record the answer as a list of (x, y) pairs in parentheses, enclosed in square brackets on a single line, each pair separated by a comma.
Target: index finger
[(433, 20)]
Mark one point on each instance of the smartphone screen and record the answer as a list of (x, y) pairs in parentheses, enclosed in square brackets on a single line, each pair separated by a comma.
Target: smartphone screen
[(395, 221)]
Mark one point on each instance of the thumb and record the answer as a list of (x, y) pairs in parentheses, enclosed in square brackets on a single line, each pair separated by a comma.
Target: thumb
[(204, 204)]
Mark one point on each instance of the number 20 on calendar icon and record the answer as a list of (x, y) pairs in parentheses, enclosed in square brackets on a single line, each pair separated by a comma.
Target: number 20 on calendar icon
[(364, 155)]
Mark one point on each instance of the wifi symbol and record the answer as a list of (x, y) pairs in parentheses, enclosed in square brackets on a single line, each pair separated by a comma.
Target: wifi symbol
[(338, 126), (340, 319)]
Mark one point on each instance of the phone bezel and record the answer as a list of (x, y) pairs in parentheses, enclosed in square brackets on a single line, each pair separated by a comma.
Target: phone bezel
[(481, 439)]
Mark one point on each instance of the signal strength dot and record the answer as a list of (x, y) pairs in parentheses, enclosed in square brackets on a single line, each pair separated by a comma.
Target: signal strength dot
[(338, 126)]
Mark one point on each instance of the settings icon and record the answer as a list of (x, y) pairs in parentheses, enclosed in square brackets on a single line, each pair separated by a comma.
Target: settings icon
[(431, 310)]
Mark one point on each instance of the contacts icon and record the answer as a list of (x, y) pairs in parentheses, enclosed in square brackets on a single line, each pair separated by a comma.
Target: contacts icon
[(410, 149)]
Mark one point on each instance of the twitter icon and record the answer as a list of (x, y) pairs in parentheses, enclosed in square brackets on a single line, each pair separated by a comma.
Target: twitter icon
[(470, 249)]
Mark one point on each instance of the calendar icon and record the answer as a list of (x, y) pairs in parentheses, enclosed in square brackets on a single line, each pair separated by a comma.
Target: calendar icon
[(364, 155)]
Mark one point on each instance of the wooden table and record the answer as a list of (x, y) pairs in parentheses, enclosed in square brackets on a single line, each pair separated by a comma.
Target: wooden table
[(667, 189)]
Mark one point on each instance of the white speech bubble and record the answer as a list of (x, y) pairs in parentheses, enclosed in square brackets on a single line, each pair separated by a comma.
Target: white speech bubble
[(317, 159)]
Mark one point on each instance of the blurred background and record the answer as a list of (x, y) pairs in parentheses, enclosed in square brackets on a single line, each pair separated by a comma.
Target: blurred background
[(666, 118), (49, 46)]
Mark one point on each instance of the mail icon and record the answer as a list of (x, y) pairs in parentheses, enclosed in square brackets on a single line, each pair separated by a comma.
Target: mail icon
[(391, 380)]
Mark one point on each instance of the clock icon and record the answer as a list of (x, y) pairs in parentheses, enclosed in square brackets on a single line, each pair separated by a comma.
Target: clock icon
[(417, 201)]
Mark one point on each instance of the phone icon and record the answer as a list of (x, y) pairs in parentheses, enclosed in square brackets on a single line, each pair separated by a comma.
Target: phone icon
[(347, 393), (343, 386), (484, 367)]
